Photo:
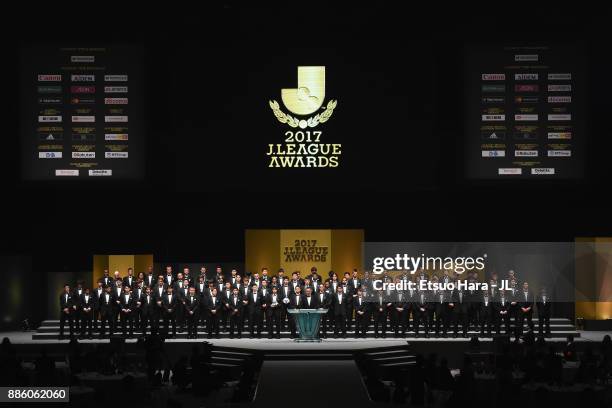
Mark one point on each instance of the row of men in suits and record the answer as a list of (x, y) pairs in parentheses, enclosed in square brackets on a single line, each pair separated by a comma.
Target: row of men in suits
[(181, 284)]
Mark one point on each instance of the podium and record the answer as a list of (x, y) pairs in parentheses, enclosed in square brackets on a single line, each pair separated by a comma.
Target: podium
[(307, 322)]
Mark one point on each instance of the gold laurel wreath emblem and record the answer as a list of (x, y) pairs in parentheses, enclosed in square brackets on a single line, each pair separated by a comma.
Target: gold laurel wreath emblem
[(303, 123)]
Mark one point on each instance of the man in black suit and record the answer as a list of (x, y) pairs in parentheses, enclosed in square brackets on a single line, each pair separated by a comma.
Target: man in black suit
[(399, 314), (362, 315), (225, 299), (525, 310), (235, 308), (148, 312), (543, 303), (68, 306), (285, 292), (129, 280), (78, 291), (106, 305), (296, 301), (117, 292), (214, 307), (440, 302), (275, 306), (106, 279), (138, 292), (127, 306), (168, 276), (255, 307), (420, 313), (168, 304), (380, 311), (150, 278), (339, 304), (192, 308), (501, 310), (461, 305), (324, 300), (485, 313), (310, 301), (181, 289), (97, 295), (87, 304)]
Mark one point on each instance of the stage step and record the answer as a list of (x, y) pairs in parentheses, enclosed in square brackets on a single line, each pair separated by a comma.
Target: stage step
[(560, 328)]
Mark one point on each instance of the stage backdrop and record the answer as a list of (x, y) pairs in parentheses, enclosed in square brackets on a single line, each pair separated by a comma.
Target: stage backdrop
[(301, 249), (594, 278)]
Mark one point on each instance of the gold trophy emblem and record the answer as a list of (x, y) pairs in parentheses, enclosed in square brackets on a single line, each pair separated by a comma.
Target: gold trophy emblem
[(306, 99)]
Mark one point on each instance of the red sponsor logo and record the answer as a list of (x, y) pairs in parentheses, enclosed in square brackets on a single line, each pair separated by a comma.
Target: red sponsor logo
[(526, 88)]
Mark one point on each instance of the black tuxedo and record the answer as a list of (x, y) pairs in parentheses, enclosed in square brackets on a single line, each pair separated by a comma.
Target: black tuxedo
[(544, 305), (460, 311), (88, 307), (106, 281), (324, 303), (380, 307), (234, 309), (127, 303), (214, 307), (485, 314), (149, 280), (68, 305), (399, 313), (76, 293), (420, 309), (254, 308), (362, 316), (96, 313), (169, 309), (149, 313), (340, 307), (524, 301), (273, 312), (106, 305), (192, 309), (501, 313), (129, 281)]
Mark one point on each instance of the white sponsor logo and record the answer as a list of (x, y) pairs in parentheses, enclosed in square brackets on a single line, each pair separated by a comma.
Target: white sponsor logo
[(100, 172), (493, 118), (115, 78), (559, 135), (559, 88), (523, 118), (49, 118), (49, 155), (115, 136), (116, 155), (83, 155), (115, 89), (82, 58), (526, 57), (560, 77), (115, 101), (493, 153), (559, 99), (525, 153), (116, 119), (559, 153), (559, 117), (526, 77), (82, 78), (509, 171), (493, 77), (543, 170), (66, 172), (49, 78), (83, 118)]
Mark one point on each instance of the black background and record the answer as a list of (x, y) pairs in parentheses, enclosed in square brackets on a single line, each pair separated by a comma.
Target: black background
[(62, 225)]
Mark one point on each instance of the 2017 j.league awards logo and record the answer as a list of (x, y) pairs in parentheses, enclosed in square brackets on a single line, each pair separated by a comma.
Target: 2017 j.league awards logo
[(304, 148)]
